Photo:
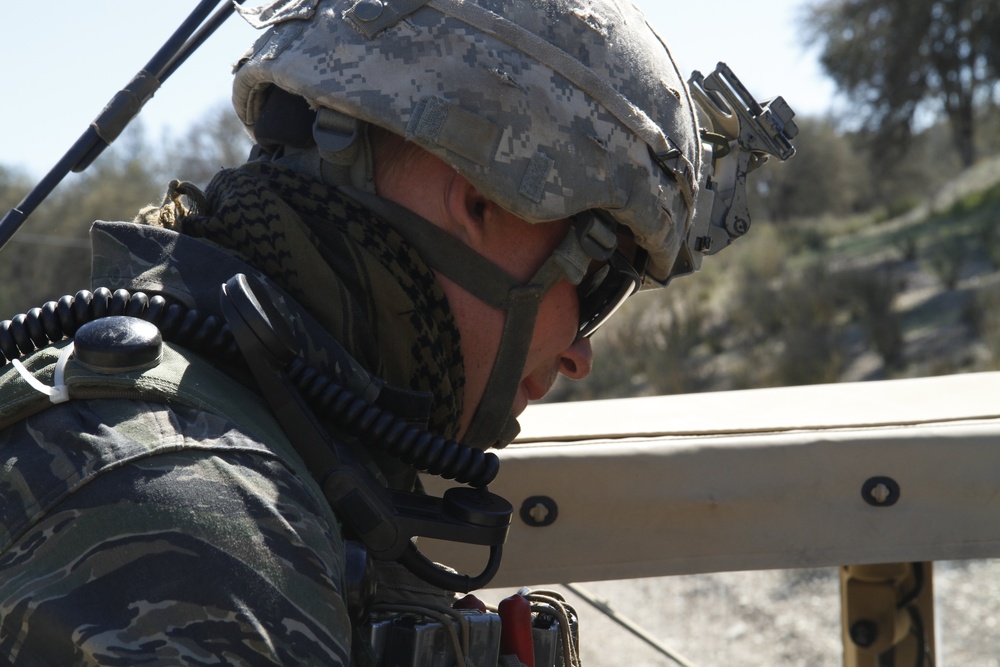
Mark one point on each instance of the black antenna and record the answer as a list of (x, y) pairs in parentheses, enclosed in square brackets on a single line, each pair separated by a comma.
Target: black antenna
[(123, 107)]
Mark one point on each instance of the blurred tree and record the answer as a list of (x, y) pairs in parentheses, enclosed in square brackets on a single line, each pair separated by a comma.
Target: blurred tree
[(216, 141), (826, 177), (833, 174), (896, 58), (989, 128), (50, 254), (14, 184), (870, 294), (651, 347)]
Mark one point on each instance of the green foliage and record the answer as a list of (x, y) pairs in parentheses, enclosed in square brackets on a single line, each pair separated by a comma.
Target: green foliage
[(946, 257), (790, 320), (833, 175), (896, 58), (826, 177), (820, 300), (13, 185), (967, 205), (983, 316), (655, 345), (896, 208), (907, 244), (772, 317), (966, 232), (49, 256), (870, 294), (216, 141)]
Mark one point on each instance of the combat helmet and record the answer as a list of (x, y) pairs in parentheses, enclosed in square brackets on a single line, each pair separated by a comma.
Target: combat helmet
[(552, 109)]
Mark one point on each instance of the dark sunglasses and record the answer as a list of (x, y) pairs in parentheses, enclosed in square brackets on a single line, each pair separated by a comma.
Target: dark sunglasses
[(603, 290)]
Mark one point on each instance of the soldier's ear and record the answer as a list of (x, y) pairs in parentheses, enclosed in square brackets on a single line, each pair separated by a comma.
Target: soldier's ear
[(468, 211)]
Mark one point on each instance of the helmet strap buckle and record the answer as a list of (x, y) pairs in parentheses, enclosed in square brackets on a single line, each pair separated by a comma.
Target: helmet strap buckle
[(344, 149)]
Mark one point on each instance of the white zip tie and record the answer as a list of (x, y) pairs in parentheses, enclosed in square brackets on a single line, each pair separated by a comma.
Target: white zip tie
[(60, 392)]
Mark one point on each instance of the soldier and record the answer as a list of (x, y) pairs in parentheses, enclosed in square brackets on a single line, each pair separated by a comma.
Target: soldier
[(445, 200)]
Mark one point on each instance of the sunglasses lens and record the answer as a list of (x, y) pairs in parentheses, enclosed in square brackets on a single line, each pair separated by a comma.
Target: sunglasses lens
[(603, 291)]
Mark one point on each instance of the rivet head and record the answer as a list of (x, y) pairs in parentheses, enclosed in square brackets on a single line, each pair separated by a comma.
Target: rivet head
[(880, 492), (538, 511), (368, 10), (864, 633)]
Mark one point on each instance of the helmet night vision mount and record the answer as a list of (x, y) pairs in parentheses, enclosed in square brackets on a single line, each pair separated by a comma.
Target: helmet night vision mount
[(740, 134)]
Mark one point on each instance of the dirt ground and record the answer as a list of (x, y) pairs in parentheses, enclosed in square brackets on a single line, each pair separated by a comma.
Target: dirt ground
[(774, 618)]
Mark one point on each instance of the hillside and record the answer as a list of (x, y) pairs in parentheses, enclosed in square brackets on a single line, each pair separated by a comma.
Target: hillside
[(853, 298)]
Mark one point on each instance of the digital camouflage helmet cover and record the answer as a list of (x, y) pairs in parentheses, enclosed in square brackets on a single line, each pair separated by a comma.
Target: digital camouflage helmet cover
[(550, 108)]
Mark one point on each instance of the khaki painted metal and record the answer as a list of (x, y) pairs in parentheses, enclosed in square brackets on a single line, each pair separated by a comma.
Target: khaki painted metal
[(887, 613), (748, 480)]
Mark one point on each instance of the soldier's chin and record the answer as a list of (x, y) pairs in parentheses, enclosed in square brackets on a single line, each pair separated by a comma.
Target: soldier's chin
[(520, 401)]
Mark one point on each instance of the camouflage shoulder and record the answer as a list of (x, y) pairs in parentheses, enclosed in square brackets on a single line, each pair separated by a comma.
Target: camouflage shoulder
[(199, 549)]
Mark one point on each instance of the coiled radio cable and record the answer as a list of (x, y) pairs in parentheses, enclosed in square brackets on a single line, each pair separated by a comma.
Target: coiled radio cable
[(211, 336)]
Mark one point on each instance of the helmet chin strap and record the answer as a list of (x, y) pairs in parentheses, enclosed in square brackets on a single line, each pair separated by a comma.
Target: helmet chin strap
[(342, 157), (492, 424)]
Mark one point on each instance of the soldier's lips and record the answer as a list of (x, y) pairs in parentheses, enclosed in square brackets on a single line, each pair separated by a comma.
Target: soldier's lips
[(527, 391)]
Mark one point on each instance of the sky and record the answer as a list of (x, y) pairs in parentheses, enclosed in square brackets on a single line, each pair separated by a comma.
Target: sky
[(61, 61)]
